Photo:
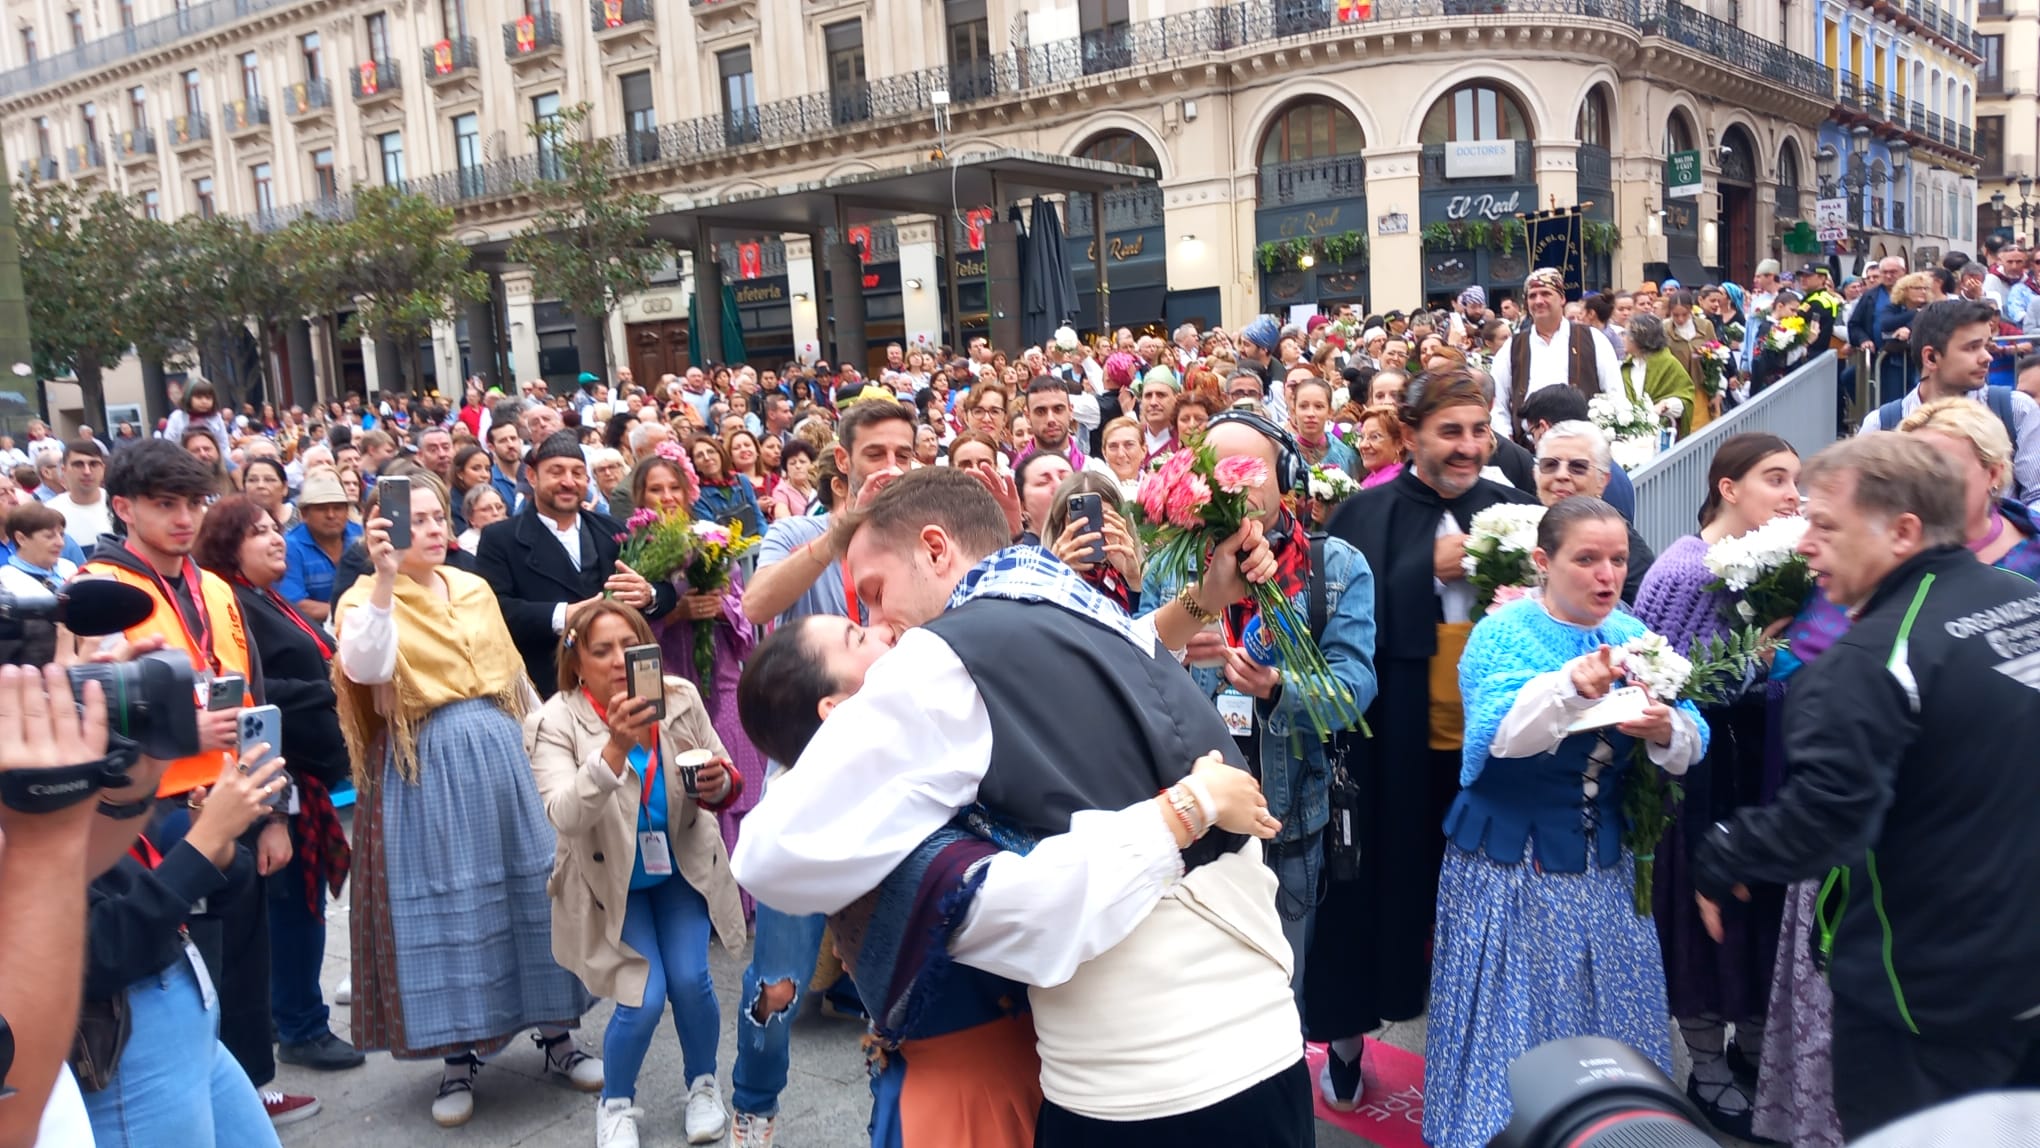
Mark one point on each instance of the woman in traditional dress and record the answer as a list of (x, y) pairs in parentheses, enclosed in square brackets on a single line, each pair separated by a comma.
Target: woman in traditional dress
[(666, 484), (1753, 479), (642, 877), (1538, 935), (1655, 375), (449, 958)]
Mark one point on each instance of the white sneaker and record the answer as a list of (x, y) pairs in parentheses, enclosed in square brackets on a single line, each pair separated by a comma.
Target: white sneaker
[(707, 1119), (345, 993), (753, 1131), (564, 1059), (616, 1124), (455, 1104)]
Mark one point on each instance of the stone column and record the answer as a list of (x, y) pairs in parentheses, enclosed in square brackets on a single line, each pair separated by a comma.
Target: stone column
[(846, 305), (802, 297), (921, 307), (707, 335), (521, 316), (446, 359), (1395, 263), (389, 369), (297, 340), (481, 326), (1002, 285)]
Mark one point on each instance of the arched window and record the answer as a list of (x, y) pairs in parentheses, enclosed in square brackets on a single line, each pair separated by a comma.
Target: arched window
[(1788, 164), (1121, 147), (1593, 126), (1678, 133), (1311, 129), (1738, 156), (1475, 111)]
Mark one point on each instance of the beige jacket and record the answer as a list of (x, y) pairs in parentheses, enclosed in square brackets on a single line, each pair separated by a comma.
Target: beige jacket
[(596, 815)]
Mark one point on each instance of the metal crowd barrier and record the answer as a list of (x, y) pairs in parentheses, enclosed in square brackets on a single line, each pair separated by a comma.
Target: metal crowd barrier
[(1799, 408)]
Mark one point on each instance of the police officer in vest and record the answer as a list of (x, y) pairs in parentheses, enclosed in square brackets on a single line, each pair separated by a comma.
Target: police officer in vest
[(1550, 351)]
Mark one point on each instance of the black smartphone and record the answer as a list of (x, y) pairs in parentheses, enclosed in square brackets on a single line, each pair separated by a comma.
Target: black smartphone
[(644, 672), (224, 692), (393, 501), (1089, 509)]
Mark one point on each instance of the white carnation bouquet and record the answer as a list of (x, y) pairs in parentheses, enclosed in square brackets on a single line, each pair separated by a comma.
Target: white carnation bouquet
[(1764, 570), (1498, 551), (1065, 339), (1330, 485), (1631, 426)]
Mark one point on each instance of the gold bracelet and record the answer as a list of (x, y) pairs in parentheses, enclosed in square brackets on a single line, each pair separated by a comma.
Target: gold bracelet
[(1187, 598)]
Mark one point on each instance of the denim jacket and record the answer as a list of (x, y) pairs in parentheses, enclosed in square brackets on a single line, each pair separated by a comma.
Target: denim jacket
[(1294, 773)]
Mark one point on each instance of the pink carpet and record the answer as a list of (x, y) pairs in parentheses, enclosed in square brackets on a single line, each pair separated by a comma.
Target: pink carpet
[(1391, 1111)]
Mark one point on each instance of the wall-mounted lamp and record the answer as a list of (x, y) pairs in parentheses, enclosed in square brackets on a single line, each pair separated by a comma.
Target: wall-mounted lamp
[(1306, 260), (913, 284), (800, 296)]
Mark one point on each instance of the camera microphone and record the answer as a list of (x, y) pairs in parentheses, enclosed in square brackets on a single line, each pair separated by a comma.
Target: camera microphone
[(90, 607)]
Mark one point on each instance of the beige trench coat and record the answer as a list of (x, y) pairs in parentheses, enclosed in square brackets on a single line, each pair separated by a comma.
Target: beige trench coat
[(596, 814)]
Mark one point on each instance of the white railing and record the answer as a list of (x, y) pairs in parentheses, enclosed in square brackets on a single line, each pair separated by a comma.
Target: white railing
[(1799, 408)]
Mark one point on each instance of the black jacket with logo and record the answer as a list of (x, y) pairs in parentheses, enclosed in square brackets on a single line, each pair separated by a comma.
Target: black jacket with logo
[(1911, 775)]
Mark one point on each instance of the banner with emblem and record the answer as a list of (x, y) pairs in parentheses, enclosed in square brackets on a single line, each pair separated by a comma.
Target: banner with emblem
[(1557, 240), (750, 260), (526, 32), (368, 78), (612, 13), (974, 222), (442, 57)]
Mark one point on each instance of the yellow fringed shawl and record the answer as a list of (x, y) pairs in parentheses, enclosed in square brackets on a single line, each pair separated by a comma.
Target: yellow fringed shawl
[(447, 651)]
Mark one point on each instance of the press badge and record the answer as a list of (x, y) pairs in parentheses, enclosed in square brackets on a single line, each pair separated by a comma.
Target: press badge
[(652, 851), (1237, 711)]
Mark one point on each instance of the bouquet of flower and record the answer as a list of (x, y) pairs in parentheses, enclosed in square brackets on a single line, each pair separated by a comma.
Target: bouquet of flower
[(1713, 359), (1787, 335), (1733, 333), (1330, 485), (1065, 338), (1764, 569), (1715, 669), (1630, 424), (1195, 501), (656, 545), (1498, 551), (716, 549)]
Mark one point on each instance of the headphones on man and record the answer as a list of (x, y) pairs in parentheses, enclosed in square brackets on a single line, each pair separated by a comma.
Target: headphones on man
[(1291, 471)]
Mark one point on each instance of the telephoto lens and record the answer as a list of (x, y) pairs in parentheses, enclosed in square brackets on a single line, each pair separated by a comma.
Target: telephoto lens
[(149, 701), (1592, 1092)]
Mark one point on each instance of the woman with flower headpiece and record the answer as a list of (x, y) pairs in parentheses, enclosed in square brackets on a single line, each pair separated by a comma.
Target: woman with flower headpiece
[(666, 484)]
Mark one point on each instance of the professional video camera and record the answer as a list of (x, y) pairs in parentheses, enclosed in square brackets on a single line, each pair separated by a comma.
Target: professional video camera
[(1592, 1092), (149, 701)]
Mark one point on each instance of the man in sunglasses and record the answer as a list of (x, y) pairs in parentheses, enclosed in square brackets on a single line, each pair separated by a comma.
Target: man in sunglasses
[(1572, 458)]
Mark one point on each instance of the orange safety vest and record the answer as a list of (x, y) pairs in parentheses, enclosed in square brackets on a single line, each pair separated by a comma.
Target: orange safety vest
[(229, 655)]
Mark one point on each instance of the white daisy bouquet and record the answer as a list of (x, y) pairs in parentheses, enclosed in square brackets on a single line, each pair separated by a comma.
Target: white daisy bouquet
[(1708, 674), (1330, 485), (1498, 551), (1764, 570), (1629, 423)]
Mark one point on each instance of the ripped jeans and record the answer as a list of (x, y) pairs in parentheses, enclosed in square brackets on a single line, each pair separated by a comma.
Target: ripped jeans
[(784, 949)]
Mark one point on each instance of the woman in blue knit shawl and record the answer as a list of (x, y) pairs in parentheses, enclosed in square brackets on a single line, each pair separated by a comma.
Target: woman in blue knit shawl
[(1752, 479), (1538, 936)]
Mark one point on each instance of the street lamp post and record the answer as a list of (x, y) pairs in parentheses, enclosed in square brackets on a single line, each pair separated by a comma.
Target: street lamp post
[(2026, 209), (1856, 178)]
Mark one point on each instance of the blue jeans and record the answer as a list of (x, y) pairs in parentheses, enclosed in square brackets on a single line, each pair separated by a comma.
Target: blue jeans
[(668, 925), (176, 1083), (784, 950), (1299, 867), (297, 951)]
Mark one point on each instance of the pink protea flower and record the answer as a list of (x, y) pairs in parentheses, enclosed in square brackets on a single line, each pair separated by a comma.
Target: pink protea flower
[(1187, 502), (640, 518), (1239, 473)]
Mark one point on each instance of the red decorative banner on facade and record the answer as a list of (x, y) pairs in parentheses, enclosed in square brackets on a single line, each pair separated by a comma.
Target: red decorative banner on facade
[(1353, 11), (750, 260), (860, 238), (442, 57), (527, 33), (368, 84), (974, 222), (612, 13)]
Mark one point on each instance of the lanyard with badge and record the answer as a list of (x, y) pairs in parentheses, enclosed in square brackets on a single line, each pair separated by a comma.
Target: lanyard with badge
[(653, 850), (1234, 708), (203, 639), (149, 857)]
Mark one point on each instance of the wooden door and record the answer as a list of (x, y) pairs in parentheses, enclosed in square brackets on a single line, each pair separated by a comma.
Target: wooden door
[(657, 348)]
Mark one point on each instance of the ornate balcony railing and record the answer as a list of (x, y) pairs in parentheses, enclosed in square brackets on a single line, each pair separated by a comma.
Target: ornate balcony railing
[(134, 143), (1849, 90), (199, 17), (84, 157), (245, 115), (611, 15), (305, 97), (184, 131), (377, 79), (529, 36), (1126, 209), (449, 58), (1314, 180), (336, 207), (1873, 100), (1733, 46), (1595, 167), (41, 167)]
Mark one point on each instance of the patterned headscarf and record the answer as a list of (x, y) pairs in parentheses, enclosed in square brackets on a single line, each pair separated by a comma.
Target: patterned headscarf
[(1120, 366), (1476, 296), (1550, 277)]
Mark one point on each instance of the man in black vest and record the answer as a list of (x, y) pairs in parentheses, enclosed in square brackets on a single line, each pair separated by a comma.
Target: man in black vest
[(554, 556), (1550, 351), (1024, 694), (1369, 959)]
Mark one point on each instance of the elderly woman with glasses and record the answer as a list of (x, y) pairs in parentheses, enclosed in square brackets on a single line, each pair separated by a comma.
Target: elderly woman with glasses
[(1573, 458)]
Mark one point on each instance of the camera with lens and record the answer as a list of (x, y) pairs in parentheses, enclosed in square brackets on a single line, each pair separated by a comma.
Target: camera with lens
[(150, 700), (1593, 1092)]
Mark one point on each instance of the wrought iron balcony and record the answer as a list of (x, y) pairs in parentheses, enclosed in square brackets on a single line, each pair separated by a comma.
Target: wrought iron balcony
[(377, 80), (1850, 91), (1126, 209), (1917, 120), (193, 19), (240, 117), (307, 98), (1595, 167), (336, 207), (83, 158), (529, 37), (40, 168), (618, 15), (1915, 10), (187, 131), (1873, 100), (1788, 202), (1314, 180), (451, 60), (1965, 138), (1733, 46), (134, 144)]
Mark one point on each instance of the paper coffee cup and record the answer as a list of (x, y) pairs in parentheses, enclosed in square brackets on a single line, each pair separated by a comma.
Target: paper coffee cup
[(689, 763)]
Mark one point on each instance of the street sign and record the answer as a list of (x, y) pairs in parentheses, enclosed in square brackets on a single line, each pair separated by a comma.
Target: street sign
[(1682, 175)]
